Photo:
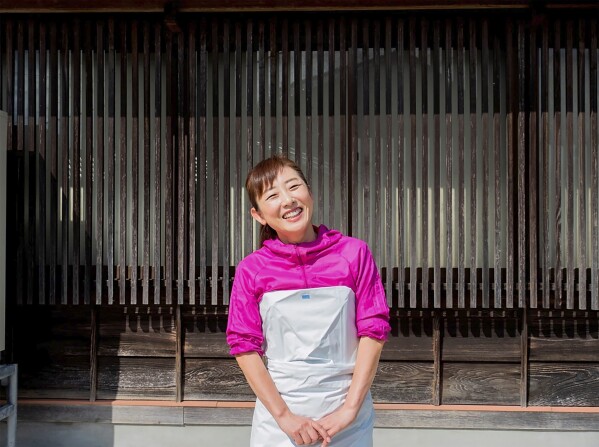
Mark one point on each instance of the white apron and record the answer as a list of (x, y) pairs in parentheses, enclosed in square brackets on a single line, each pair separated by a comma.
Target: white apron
[(311, 346)]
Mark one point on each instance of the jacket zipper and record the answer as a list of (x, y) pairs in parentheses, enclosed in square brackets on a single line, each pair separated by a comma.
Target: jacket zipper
[(303, 268)]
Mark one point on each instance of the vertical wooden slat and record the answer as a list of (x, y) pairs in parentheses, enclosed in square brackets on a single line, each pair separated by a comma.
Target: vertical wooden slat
[(557, 107), (333, 179), (485, 161), (260, 93), (570, 165), (146, 172), (239, 212), (523, 140), (123, 167), (179, 341), (76, 170), (191, 169), (378, 185), (203, 91), (64, 154), (545, 144), (250, 120), (594, 166), (524, 361), (414, 166), (42, 170), (285, 81), (182, 141), (23, 170), (156, 214), (511, 147), (388, 160), (216, 151), (352, 124), (363, 155), (297, 65), (436, 59), (168, 188), (497, 269), (533, 164), (424, 187), (343, 126), (134, 158), (448, 163), (30, 164), (474, 114), (89, 160), (272, 91), (93, 355), (53, 123), (320, 115), (226, 258), (437, 363), (401, 221), (309, 134), (461, 180), (110, 163), (582, 162)]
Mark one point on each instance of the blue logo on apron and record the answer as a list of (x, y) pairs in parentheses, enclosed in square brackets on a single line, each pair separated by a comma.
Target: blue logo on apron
[(305, 297)]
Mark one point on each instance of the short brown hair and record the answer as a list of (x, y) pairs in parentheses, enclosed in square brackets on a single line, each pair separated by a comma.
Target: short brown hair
[(261, 177)]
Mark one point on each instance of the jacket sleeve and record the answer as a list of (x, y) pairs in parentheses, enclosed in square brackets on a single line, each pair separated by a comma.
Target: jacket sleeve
[(372, 311), (244, 327)]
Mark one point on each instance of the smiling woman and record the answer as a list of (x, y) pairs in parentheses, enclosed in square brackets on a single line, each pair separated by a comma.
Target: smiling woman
[(310, 301)]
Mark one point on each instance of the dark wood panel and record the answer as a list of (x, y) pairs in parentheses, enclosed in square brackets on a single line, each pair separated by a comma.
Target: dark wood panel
[(566, 384), (65, 377), (488, 384), (215, 380), (403, 382), (136, 378)]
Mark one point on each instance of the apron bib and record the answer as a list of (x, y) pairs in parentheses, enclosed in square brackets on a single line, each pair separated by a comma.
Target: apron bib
[(311, 346)]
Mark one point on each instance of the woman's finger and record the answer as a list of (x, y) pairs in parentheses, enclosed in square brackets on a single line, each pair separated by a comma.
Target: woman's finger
[(321, 431)]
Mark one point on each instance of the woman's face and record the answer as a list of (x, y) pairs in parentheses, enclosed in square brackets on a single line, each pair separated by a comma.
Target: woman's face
[(286, 206)]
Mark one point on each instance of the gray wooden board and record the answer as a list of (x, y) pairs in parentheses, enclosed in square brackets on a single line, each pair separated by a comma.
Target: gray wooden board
[(486, 383), (403, 382), (481, 349), (404, 418), (136, 378), (572, 384), (65, 377), (215, 379)]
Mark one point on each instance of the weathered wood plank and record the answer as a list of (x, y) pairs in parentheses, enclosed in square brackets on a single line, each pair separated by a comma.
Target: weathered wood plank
[(474, 114), (403, 382), (545, 141), (42, 170), (401, 221), (307, 28), (413, 264), (136, 378), (497, 271), (191, 168), (156, 217), (183, 95), (424, 186), (460, 166), (53, 130), (511, 148), (571, 384), (523, 183), (485, 111), (533, 163), (569, 91), (475, 340), (488, 384), (110, 159), (201, 156), (60, 378), (76, 161), (135, 160), (388, 170), (123, 170), (146, 163), (436, 191), (226, 216), (216, 196), (168, 186), (594, 166), (449, 165), (215, 380), (557, 108), (582, 163)]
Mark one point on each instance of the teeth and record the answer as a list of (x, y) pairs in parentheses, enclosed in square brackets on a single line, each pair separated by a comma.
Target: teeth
[(293, 213)]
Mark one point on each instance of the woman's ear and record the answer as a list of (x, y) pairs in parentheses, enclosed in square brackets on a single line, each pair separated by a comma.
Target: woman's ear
[(257, 216)]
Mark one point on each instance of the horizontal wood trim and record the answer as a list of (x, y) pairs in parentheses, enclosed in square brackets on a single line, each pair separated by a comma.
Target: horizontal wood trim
[(239, 413), (112, 6)]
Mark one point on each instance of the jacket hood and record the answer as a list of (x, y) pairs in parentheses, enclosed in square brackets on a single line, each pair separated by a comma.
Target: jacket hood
[(325, 238)]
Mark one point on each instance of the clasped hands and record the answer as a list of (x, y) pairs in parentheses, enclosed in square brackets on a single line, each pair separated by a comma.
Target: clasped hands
[(305, 431)]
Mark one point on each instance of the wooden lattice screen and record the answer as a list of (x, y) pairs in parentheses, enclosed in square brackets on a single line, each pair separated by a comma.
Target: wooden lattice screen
[(463, 149)]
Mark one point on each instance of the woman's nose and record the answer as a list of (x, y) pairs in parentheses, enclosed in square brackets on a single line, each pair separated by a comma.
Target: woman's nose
[(287, 199)]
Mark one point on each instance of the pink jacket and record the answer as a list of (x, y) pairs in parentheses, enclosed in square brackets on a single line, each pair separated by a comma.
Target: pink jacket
[(331, 260)]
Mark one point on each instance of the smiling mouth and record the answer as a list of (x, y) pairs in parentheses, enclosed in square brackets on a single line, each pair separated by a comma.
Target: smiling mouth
[(293, 213)]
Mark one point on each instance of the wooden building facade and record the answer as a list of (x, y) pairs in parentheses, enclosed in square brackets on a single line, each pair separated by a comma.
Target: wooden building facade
[(460, 144)]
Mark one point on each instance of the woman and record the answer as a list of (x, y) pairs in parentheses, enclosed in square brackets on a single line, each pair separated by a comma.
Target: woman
[(311, 301)]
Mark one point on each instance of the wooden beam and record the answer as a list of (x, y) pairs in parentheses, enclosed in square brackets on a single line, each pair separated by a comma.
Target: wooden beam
[(121, 6)]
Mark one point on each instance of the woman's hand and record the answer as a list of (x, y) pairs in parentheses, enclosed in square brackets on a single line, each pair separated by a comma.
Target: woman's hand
[(303, 430), (338, 420)]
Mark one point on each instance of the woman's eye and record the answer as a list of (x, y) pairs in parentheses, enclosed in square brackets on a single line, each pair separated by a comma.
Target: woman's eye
[(294, 187), (272, 196)]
